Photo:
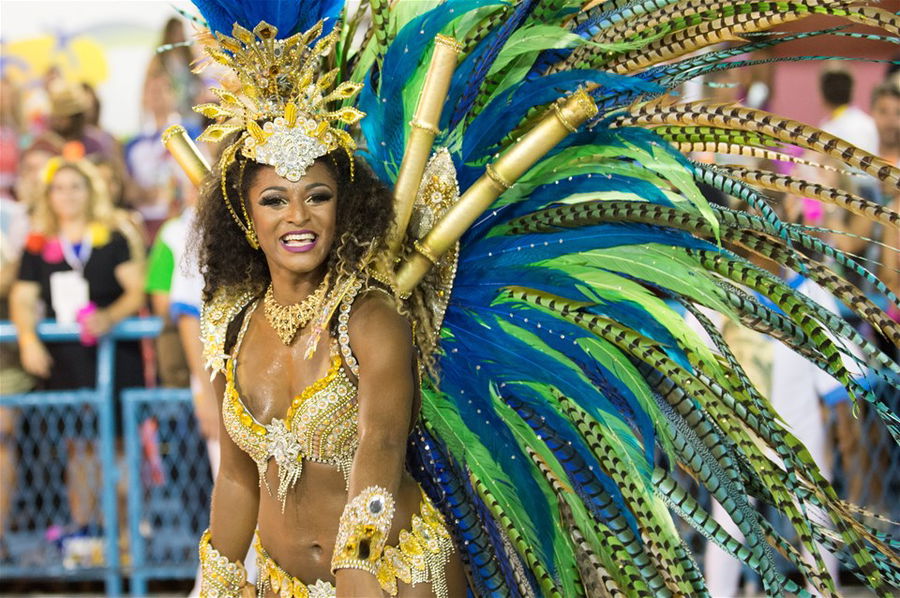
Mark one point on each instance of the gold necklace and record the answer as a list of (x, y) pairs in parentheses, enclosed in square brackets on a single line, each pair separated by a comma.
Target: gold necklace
[(286, 320)]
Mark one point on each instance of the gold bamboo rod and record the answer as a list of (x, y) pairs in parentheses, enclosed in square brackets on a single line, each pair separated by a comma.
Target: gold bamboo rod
[(186, 153), (498, 177), (423, 130)]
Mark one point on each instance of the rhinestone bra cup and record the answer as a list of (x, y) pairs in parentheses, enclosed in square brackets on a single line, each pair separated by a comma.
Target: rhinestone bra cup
[(320, 425)]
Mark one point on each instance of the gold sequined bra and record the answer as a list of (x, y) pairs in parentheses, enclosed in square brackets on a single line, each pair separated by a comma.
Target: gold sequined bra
[(320, 425)]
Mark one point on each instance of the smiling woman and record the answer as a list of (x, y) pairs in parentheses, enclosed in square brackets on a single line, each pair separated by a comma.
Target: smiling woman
[(295, 226), (321, 426), (361, 205)]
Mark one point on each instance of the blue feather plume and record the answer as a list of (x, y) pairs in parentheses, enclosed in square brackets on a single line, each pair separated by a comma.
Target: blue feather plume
[(289, 16)]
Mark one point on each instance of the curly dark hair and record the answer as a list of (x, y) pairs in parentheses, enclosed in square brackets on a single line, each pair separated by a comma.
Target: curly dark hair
[(365, 212)]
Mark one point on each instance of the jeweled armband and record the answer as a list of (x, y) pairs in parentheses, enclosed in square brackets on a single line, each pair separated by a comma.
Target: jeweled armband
[(219, 577), (363, 531)]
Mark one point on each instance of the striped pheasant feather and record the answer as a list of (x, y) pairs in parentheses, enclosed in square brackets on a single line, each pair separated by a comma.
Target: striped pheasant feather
[(748, 119)]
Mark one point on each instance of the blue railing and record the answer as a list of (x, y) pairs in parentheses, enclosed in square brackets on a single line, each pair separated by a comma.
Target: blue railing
[(99, 404), (166, 517), (166, 513)]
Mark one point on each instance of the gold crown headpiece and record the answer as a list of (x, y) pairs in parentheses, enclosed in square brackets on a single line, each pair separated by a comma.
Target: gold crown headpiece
[(280, 85)]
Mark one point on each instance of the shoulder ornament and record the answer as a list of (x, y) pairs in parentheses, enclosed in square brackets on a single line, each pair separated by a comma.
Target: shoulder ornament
[(215, 316)]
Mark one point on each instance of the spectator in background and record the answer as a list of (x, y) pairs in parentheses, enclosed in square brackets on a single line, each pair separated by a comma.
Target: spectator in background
[(170, 90), (886, 112), (129, 220), (13, 231), (68, 125), (77, 265), (165, 259), (153, 169), (74, 239), (32, 162), (12, 127), (175, 61), (885, 106), (13, 228), (886, 116), (854, 126), (845, 120), (92, 115)]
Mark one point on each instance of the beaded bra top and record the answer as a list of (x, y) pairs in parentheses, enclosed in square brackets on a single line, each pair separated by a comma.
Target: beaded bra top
[(320, 425)]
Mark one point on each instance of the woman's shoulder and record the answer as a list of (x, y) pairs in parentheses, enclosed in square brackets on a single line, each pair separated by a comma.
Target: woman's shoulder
[(36, 242), (43, 251), (377, 320)]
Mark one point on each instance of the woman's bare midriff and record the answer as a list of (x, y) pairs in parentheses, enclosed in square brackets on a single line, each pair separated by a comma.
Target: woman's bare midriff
[(301, 539)]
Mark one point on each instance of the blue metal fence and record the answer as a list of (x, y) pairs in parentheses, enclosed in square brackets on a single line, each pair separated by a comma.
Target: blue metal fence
[(40, 508), (166, 515), (169, 482)]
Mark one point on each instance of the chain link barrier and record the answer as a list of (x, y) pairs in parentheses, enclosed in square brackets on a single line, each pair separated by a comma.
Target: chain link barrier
[(139, 508)]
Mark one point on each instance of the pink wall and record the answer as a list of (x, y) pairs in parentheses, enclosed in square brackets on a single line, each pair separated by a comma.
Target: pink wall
[(796, 89), (796, 84)]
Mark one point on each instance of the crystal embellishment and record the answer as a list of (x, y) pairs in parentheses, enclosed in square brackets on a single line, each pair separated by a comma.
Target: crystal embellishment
[(321, 589), (285, 449), (281, 115), (376, 504), (291, 150)]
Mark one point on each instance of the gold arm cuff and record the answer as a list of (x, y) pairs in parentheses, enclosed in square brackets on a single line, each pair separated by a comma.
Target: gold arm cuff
[(368, 567), (218, 575), (363, 530), (496, 177)]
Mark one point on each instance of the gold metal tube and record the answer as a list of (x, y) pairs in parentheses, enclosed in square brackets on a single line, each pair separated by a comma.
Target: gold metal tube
[(423, 129), (499, 176), (186, 153)]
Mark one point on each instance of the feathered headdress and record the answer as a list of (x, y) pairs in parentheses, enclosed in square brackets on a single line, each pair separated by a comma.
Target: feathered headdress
[(280, 86)]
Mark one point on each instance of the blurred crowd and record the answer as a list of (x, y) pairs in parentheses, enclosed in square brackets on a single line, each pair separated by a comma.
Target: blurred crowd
[(93, 232), (95, 229), (815, 407)]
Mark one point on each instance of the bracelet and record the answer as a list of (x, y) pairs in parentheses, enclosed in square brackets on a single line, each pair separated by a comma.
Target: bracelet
[(219, 577), (363, 531)]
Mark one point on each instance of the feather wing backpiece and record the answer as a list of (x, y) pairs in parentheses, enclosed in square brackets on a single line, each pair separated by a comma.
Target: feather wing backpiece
[(569, 394)]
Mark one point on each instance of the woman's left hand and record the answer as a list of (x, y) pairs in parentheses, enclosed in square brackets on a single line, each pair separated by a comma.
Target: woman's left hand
[(98, 323), (352, 583)]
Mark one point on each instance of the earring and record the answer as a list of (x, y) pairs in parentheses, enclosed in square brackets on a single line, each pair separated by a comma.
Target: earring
[(250, 234), (228, 156), (249, 230)]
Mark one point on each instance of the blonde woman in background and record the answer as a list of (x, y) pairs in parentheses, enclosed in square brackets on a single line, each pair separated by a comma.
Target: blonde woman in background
[(77, 266)]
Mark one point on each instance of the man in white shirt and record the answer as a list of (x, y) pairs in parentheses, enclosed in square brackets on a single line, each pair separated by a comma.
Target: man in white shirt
[(845, 120)]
